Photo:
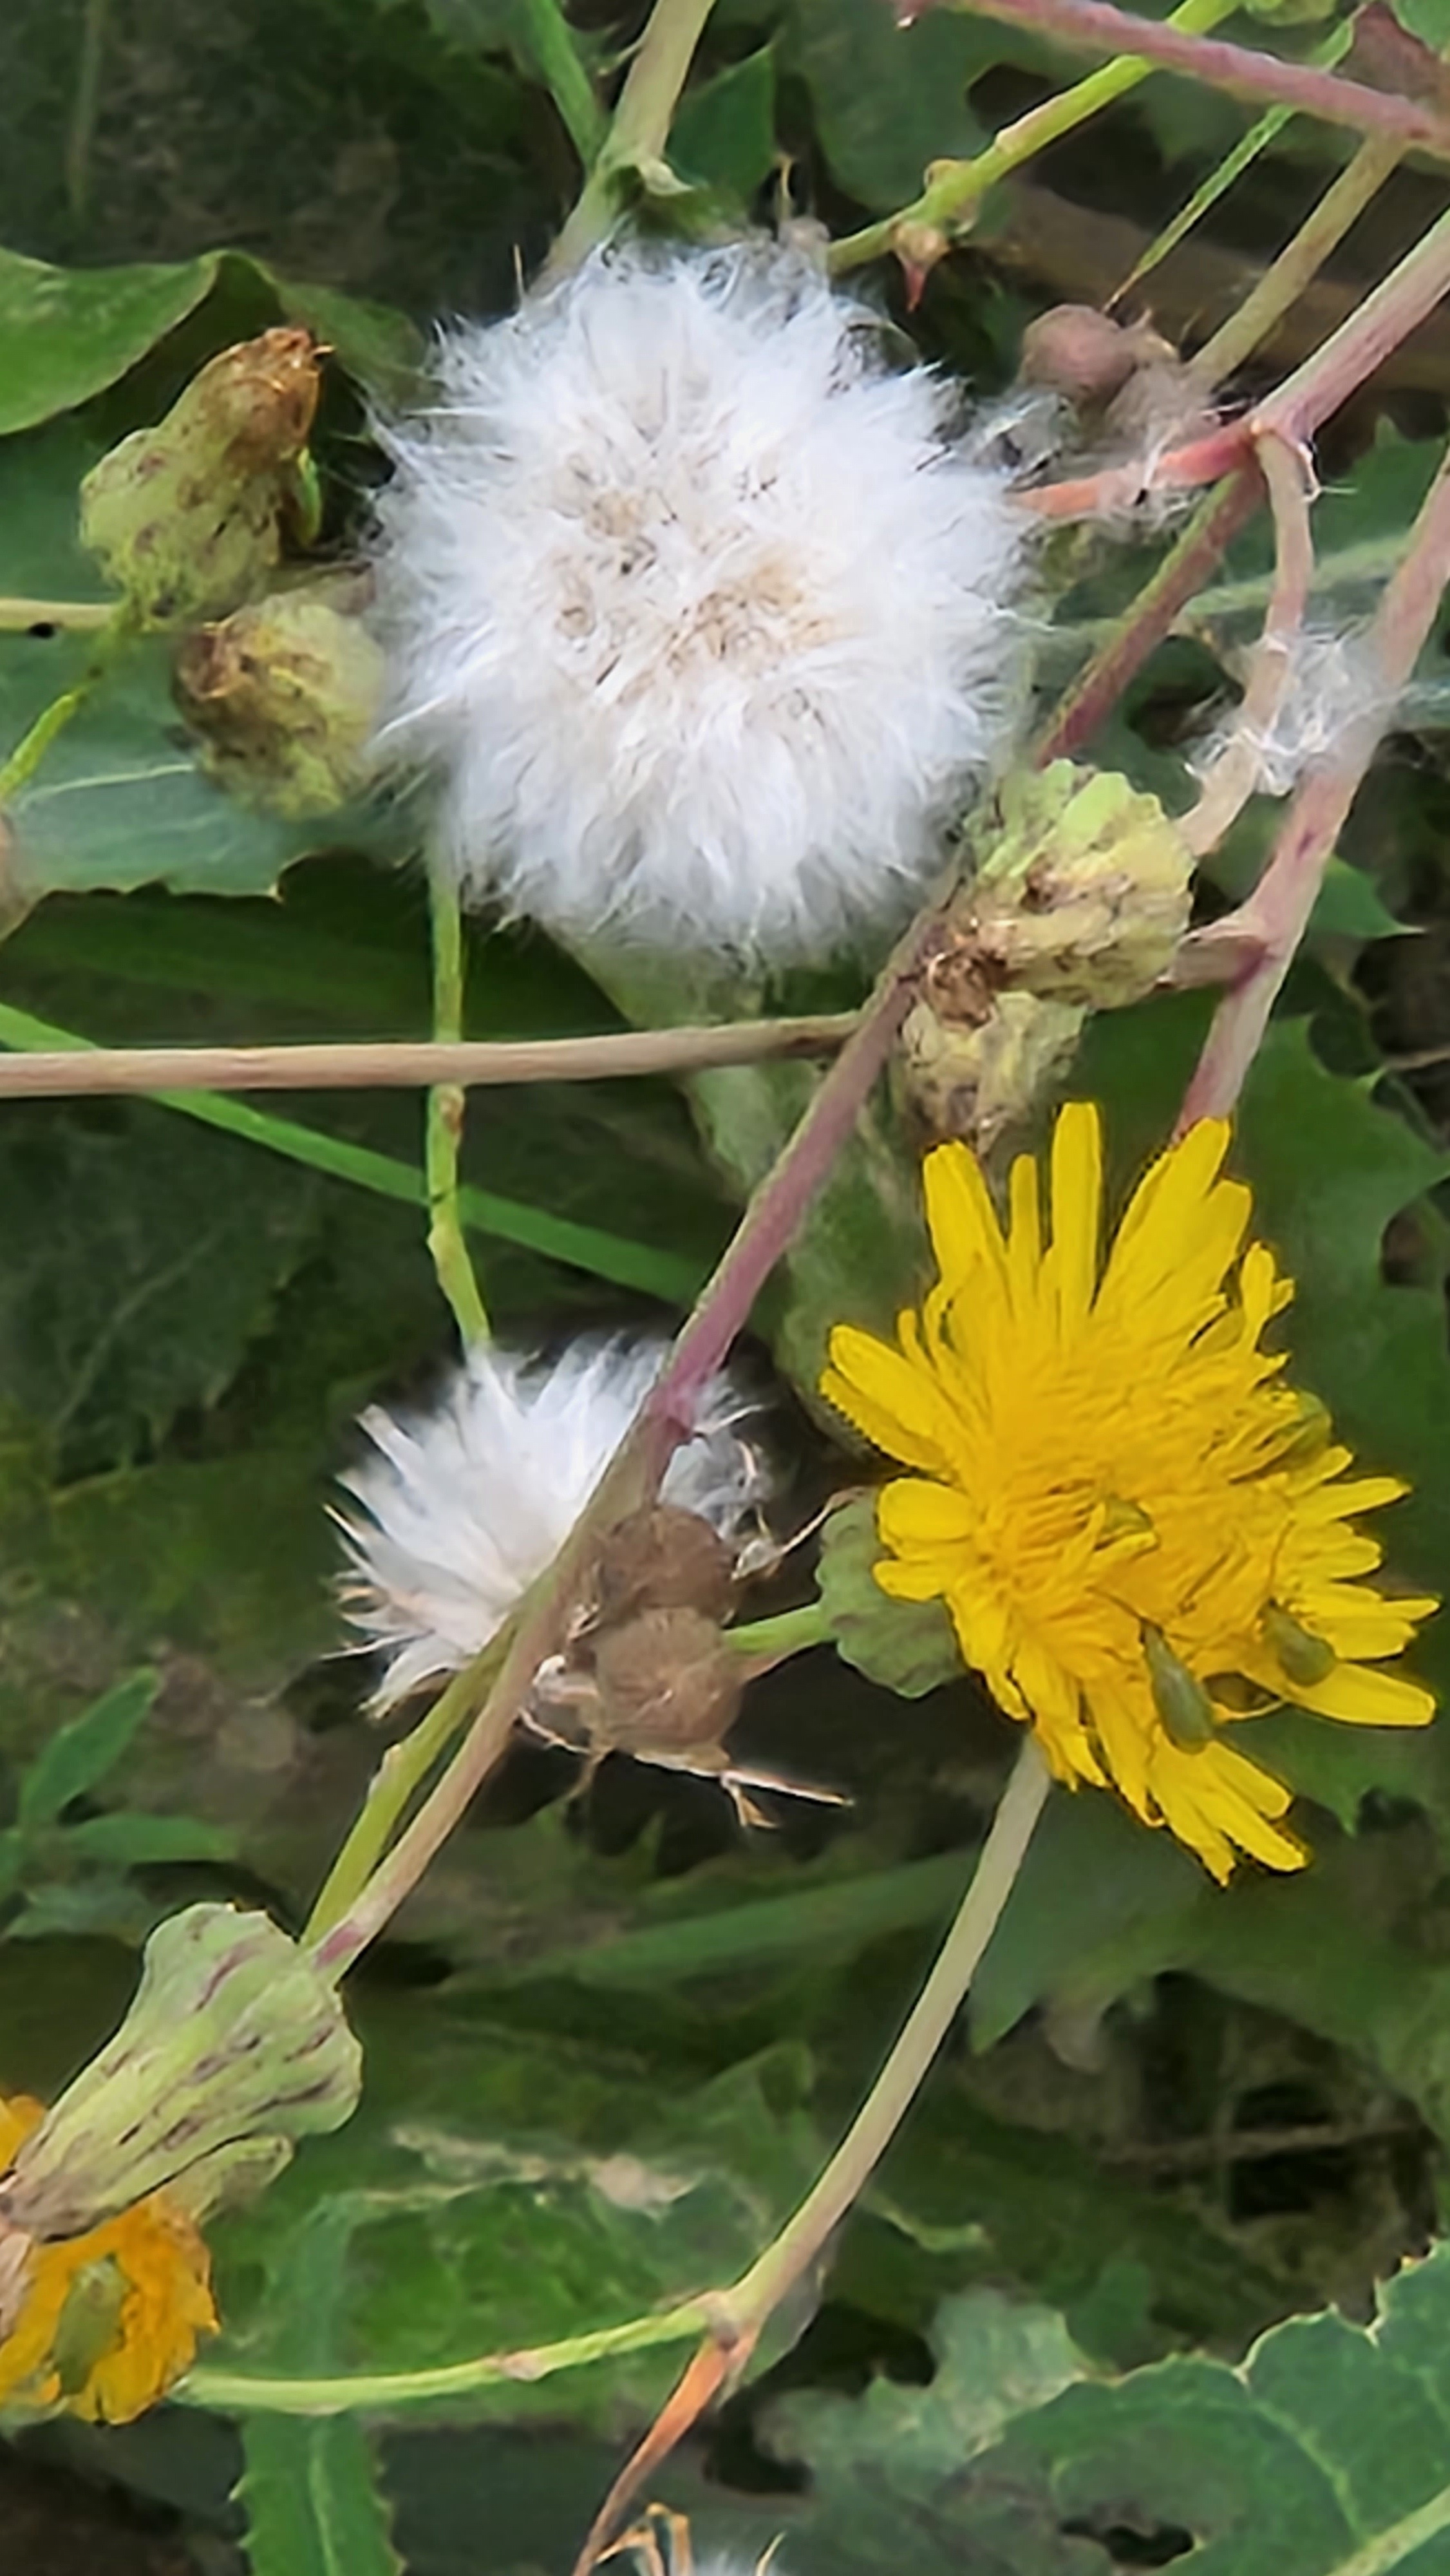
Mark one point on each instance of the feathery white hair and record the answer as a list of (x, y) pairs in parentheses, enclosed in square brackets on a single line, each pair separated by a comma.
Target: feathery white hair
[(695, 607), (462, 1507)]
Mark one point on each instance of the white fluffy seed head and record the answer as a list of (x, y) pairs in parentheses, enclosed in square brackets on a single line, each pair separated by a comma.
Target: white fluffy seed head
[(460, 1509), (695, 607)]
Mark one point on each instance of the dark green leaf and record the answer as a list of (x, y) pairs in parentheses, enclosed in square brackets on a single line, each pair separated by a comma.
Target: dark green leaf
[(909, 1646), (724, 132), (143, 1256), (78, 1756), (67, 333), (889, 99)]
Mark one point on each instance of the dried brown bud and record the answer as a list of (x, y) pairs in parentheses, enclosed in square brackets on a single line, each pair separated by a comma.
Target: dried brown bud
[(187, 517), (285, 695), (663, 1558), (667, 1682)]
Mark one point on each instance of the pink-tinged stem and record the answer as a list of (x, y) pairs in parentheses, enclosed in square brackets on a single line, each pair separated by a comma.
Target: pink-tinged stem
[(1350, 355), (1097, 690), (767, 1227), (1095, 27), (1272, 923)]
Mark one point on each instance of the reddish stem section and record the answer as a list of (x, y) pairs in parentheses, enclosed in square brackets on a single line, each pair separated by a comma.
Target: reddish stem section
[(1095, 27)]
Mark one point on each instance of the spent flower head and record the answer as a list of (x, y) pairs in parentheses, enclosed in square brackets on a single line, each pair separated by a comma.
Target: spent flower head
[(100, 2324), (695, 607), (1140, 1532), (462, 1508)]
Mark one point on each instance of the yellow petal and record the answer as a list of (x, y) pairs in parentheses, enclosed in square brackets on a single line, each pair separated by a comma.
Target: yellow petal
[(1362, 1695), (1077, 1205), (883, 1395), (913, 1515)]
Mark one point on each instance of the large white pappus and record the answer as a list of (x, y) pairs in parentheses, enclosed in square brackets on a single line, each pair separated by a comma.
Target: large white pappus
[(459, 1509), (695, 607)]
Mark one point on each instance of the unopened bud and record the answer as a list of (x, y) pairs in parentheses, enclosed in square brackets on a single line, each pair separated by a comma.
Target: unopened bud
[(285, 695), (980, 1082), (235, 2036), (187, 517), (1084, 894), (919, 248)]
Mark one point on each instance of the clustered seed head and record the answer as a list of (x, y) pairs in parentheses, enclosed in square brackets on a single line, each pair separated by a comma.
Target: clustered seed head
[(696, 608)]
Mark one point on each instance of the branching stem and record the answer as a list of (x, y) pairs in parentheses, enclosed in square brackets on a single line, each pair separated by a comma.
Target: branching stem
[(1268, 928), (955, 189), (639, 128)]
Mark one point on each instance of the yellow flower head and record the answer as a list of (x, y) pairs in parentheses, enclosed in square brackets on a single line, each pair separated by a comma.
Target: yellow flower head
[(1140, 1532), (104, 2323)]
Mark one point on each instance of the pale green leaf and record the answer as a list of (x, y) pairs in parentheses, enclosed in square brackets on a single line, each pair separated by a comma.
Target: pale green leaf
[(79, 1756)]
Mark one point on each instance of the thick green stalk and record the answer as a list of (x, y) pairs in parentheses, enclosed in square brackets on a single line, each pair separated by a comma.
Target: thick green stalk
[(639, 128)]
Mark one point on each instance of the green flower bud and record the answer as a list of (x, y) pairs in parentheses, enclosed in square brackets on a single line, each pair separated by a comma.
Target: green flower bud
[(1083, 892), (1184, 1708), (187, 517), (285, 695), (979, 1081), (235, 2036)]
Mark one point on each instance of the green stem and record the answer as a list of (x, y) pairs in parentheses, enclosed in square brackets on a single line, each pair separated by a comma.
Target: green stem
[(584, 1247), (402, 1771), (736, 2314), (746, 2307), (788, 1633), (1284, 281), (447, 1103), (639, 129), (232, 2392), (956, 188)]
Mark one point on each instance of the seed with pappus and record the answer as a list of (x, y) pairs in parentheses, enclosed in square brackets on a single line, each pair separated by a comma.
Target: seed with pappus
[(694, 608), (460, 1509)]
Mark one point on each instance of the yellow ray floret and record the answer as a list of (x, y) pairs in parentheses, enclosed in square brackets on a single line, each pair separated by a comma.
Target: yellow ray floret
[(1141, 1532), (101, 2324)]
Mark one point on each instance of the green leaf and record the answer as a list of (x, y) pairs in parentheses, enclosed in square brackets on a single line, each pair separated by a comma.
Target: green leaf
[(78, 1756), (898, 2459), (143, 1257), (909, 1646), (889, 99), (724, 132), (1427, 19), (65, 334), (138, 1842), (310, 2494), (1325, 2451), (502, 2187)]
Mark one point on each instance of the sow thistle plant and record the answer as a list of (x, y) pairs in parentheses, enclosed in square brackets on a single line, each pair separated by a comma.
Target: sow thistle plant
[(695, 625)]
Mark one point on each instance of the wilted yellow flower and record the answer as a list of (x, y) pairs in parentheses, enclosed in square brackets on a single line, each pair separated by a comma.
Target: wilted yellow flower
[(103, 2324), (1141, 1534)]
